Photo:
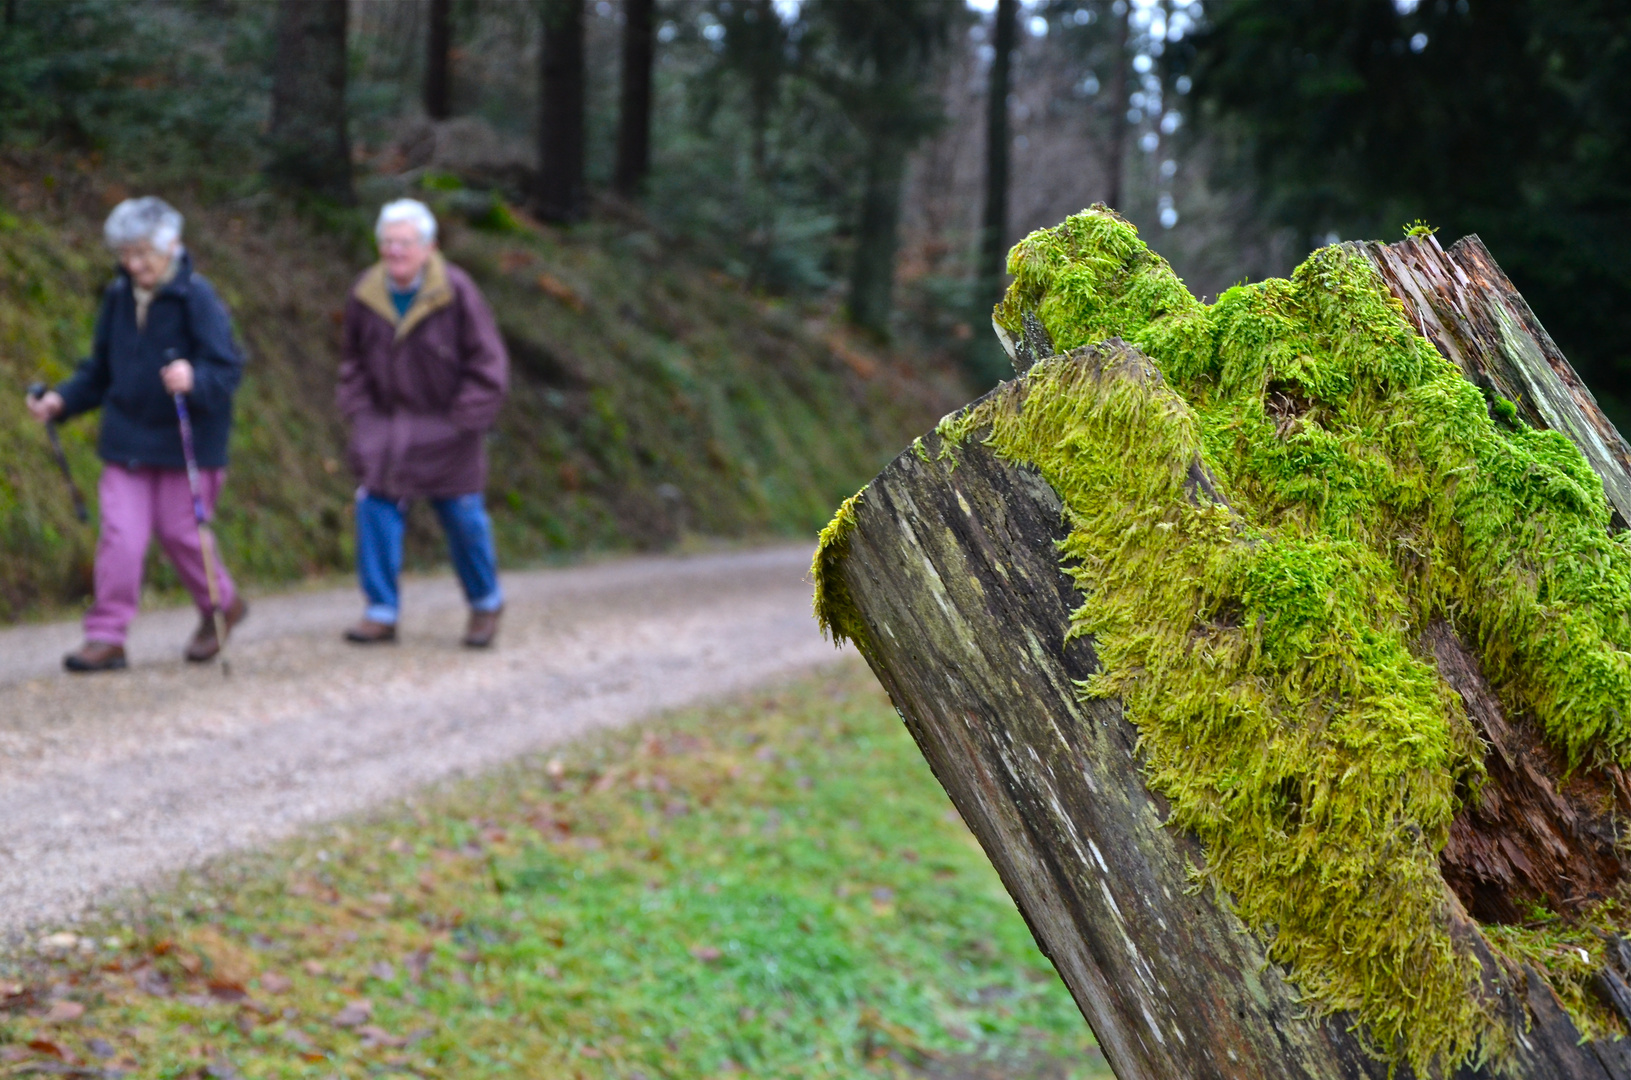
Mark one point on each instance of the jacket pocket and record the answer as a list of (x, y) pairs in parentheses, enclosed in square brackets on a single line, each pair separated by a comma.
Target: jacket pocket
[(368, 445), (439, 456)]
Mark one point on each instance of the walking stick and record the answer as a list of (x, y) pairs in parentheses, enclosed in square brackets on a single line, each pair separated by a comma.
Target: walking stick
[(35, 392), (206, 535)]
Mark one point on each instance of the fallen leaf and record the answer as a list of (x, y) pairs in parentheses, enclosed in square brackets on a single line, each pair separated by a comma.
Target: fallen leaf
[(706, 953), (383, 971), (355, 1012), (373, 1036), (557, 289), (149, 980), (416, 962), (273, 983), (225, 990), (100, 1047), (315, 968), (63, 1012), (46, 1046)]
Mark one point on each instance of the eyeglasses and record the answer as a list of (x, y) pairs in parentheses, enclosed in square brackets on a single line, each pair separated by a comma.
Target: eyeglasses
[(399, 245)]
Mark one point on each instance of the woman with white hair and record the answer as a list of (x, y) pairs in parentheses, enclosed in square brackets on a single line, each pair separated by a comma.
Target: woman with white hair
[(423, 372), (162, 331)]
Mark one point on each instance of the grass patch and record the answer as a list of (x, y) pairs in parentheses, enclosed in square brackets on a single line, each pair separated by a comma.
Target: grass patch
[(774, 887)]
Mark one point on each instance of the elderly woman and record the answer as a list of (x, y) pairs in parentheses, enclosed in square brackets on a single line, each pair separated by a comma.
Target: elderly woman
[(422, 376), (162, 331)]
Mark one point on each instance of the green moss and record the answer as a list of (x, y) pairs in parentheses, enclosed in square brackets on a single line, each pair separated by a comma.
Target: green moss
[(834, 608), (1267, 648)]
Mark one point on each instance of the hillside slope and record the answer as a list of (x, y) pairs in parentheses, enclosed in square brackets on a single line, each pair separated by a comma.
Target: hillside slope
[(652, 399)]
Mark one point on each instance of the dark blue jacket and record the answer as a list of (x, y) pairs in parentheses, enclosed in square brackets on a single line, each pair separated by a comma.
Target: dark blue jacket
[(122, 373)]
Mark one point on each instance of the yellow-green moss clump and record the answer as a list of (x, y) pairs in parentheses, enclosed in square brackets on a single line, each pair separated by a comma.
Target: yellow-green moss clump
[(1265, 648)]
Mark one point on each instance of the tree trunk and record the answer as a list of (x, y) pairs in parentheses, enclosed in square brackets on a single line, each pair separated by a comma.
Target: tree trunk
[(1115, 163), (994, 232), (953, 570), (561, 193), (872, 274), (311, 151), (439, 61), (634, 116)]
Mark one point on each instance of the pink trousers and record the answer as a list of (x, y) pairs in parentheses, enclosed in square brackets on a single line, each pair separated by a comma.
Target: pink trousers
[(136, 504)]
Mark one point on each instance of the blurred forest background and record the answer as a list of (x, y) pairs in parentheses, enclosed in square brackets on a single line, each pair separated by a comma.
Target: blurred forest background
[(851, 171)]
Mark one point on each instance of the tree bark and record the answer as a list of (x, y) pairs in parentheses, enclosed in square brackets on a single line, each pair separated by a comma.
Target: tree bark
[(439, 61), (634, 115), (954, 572), (561, 195), (311, 150), (994, 231)]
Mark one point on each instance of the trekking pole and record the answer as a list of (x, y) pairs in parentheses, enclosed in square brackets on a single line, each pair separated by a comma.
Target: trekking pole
[(206, 535), (35, 392)]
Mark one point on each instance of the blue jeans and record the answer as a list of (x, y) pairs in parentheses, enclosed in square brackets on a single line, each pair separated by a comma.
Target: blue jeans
[(469, 542)]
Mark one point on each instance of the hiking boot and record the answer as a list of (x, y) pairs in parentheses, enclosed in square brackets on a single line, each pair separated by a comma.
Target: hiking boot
[(203, 646), (95, 656), (482, 629), (369, 632)]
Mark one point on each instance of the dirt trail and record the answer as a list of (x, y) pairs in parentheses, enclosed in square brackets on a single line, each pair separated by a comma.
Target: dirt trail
[(109, 781)]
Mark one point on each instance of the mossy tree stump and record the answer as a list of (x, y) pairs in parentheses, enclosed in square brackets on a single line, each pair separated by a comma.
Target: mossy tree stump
[(947, 573)]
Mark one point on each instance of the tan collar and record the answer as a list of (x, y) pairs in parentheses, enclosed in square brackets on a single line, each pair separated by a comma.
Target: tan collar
[(144, 297), (435, 293)]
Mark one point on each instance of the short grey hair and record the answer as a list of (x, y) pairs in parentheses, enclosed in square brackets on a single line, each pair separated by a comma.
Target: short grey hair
[(410, 210), (148, 218)]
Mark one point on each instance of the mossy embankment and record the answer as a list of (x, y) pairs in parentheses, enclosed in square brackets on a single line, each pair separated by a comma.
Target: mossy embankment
[(652, 399), (1267, 647)]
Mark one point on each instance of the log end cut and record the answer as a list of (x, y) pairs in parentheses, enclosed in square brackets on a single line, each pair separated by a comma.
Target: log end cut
[(1281, 677)]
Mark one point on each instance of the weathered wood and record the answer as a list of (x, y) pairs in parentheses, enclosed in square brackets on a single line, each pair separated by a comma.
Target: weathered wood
[(1538, 833), (953, 569), (1462, 302)]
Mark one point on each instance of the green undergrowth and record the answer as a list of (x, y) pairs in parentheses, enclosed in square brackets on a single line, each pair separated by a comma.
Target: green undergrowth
[(1266, 647), (775, 887), (652, 400)]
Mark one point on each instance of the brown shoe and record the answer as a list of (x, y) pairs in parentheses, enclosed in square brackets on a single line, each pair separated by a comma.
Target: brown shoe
[(483, 628), (95, 656), (369, 632), (203, 646)]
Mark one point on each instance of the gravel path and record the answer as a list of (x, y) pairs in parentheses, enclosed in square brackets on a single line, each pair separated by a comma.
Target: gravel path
[(109, 781)]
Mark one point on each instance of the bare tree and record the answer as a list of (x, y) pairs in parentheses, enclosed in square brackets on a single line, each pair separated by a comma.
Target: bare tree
[(994, 231), (634, 118), (439, 61), (1120, 97), (561, 194), (311, 151)]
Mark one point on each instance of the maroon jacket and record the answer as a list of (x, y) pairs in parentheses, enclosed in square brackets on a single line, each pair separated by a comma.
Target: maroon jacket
[(420, 391)]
